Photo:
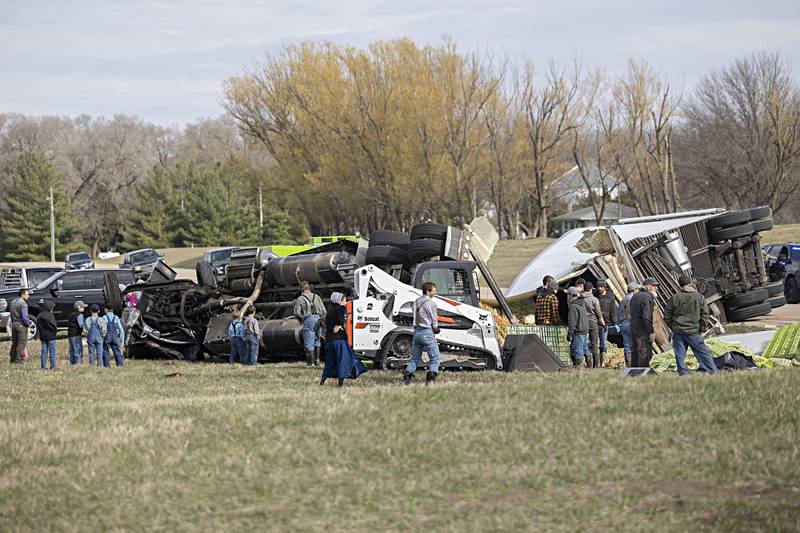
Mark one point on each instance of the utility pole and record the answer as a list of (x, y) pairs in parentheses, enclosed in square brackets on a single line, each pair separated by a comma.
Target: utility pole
[(52, 229), (260, 208)]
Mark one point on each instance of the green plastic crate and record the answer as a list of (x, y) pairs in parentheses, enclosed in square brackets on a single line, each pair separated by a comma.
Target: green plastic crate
[(554, 337)]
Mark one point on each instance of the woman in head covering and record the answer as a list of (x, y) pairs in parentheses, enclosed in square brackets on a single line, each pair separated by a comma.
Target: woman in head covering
[(340, 361)]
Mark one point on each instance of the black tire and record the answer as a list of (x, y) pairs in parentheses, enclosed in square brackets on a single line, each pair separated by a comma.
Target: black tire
[(745, 313), (726, 220), (724, 234), (429, 231), (791, 291), (385, 237), (777, 301), (753, 297), (758, 213), (111, 293), (383, 254), (422, 249), (205, 274), (774, 289), (765, 224)]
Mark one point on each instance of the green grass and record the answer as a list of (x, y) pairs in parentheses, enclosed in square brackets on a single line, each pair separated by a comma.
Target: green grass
[(230, 448)]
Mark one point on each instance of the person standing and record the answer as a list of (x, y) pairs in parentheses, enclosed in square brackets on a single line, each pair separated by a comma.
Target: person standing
[(113, 337), (340, 360), (578, 327), (74, 330), (308, 307), (624, 314), (236, 338), (595, 315), (426, 326), (20, 322), (547, 304), (642, 331), (608, 306), (686, 314), (251, 336), (94, 335), (46, 326)]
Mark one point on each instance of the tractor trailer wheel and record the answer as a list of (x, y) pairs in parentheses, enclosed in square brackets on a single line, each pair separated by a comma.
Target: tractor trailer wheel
[(389, 238), (753, 297), (728, 220), (422, 249), (429, 231), (745, 313), (383, 254), (720, 235)]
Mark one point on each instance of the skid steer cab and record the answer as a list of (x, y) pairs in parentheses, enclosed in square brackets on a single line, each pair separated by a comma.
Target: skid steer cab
[(382, 315)]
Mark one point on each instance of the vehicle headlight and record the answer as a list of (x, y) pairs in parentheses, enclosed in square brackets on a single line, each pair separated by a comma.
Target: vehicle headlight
[(220, 270), (137, 269)]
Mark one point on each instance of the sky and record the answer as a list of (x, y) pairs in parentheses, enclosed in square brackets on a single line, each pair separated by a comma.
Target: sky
[(165, 61)]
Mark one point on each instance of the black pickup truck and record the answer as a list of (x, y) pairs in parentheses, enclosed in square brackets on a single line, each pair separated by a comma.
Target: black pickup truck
[(64, 289), (783, 264)]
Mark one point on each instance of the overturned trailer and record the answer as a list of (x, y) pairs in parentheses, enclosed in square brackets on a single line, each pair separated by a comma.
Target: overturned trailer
[(720, 250), (382, 278)]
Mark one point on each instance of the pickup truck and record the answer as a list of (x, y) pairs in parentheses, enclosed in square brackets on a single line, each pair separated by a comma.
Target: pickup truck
[(64, 289)]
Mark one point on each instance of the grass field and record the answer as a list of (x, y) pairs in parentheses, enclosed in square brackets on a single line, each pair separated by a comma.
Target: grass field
[(230, 448), (782, 233)]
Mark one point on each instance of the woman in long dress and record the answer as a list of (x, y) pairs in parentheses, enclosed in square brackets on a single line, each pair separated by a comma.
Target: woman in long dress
[(340, 360)]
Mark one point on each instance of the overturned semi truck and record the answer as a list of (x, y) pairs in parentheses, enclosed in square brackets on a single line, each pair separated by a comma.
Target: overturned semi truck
[(185, 320), (720, 250)]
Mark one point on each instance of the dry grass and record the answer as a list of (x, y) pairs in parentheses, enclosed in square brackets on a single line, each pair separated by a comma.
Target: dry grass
[(175, 257), (783, 233), (510, 257), (230, 448)]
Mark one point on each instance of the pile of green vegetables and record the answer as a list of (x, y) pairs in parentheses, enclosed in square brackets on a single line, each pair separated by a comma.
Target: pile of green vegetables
[(782, 351)]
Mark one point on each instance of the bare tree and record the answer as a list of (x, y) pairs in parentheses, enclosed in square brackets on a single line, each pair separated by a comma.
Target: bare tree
[(742, 136)]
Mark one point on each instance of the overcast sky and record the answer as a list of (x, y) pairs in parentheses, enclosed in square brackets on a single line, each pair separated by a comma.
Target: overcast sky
[(165, 60)]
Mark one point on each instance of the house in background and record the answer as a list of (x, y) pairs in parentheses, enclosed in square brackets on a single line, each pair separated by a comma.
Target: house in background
[(584, 218), (570, 189)]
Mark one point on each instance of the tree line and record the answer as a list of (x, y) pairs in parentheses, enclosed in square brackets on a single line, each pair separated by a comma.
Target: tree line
[(397, 133), (341, 140), (122, 183)]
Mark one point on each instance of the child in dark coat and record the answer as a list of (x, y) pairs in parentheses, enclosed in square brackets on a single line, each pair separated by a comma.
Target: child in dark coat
[(47, 326)]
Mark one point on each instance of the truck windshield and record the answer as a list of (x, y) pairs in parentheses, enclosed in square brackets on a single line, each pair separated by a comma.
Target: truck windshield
[(221, 255), (79, 257), (44, 284)]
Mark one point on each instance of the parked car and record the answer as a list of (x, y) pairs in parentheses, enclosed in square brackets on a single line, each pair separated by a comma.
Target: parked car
[(783, 264), (64, 289), (219, 258), (141, 262), (78, 260), (18, 277)]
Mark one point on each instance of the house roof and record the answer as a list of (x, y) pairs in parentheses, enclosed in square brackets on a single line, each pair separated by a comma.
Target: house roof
[(611, 212), (571, 181)]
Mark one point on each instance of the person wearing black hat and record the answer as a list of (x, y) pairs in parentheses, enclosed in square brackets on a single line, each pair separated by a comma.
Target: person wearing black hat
[(642, 331), (686, 313), (608, 305)]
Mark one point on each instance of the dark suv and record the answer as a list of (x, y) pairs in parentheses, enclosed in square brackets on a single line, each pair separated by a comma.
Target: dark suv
[(141, 262), (66, 288), (783, 264), (77, 261)]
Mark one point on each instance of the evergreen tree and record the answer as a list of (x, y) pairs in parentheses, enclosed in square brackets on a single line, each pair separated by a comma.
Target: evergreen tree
[(150, 220), (26, 214)]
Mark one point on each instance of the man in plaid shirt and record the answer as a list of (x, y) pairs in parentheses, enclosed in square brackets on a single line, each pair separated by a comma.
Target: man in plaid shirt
[(547, 303)]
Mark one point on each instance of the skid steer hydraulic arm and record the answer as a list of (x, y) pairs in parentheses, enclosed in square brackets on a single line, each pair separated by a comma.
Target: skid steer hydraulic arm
[(487, 275)]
